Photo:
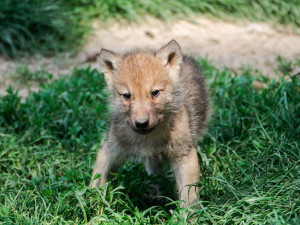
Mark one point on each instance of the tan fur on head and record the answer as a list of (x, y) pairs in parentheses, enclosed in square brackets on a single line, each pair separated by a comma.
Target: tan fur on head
[(169, 56)]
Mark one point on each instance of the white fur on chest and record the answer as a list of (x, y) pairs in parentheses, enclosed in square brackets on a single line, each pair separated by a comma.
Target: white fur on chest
[(146, 147)]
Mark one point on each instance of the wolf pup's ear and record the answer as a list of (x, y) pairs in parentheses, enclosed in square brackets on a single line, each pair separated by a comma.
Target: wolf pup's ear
[(109, 63), (171, 57)]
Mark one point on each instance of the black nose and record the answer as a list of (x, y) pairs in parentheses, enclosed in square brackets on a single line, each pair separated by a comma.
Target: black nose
[(142, 123)]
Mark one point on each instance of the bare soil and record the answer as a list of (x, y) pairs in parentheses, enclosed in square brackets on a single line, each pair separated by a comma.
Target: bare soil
[(225, 44)]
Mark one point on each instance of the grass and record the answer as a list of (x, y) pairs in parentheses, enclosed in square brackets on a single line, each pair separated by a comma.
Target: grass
[(54, 26), (277, 11), (38, 27), (250, 158), (24, 75)]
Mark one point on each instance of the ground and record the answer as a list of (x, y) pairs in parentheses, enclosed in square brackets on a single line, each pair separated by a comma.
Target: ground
[(249, 157), (225, 44)]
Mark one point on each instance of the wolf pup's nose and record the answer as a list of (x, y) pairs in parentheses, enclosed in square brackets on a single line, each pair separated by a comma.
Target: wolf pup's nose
[(142, 123)]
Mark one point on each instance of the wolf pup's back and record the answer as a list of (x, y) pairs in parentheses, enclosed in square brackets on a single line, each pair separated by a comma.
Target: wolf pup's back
[(196, 97)]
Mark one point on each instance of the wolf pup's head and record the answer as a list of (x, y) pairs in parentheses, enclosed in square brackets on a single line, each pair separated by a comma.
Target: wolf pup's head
[(142, 84)]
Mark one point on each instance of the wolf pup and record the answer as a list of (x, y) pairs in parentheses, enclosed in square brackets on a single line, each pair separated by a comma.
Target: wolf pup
[(159, 109)]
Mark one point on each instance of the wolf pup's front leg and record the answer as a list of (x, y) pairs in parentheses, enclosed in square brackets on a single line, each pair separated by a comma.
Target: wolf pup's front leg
[(101, 167), (106, 162), (187, 171)]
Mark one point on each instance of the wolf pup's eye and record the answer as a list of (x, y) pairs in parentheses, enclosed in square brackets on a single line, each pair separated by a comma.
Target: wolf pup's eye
[(155, 93), (126, 96)]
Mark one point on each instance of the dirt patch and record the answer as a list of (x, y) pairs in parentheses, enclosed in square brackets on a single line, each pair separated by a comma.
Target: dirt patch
[(56, 66), (225, 44)]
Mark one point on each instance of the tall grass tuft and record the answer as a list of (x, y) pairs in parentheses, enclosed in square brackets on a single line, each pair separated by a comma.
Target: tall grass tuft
[(47, 27), (37, 26), (277, 11)]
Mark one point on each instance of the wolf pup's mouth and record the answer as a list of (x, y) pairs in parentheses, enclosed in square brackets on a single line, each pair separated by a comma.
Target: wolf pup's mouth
[(146, 131)]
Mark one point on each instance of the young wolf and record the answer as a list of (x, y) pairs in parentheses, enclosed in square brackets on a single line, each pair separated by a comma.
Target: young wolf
[(159, 109)]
